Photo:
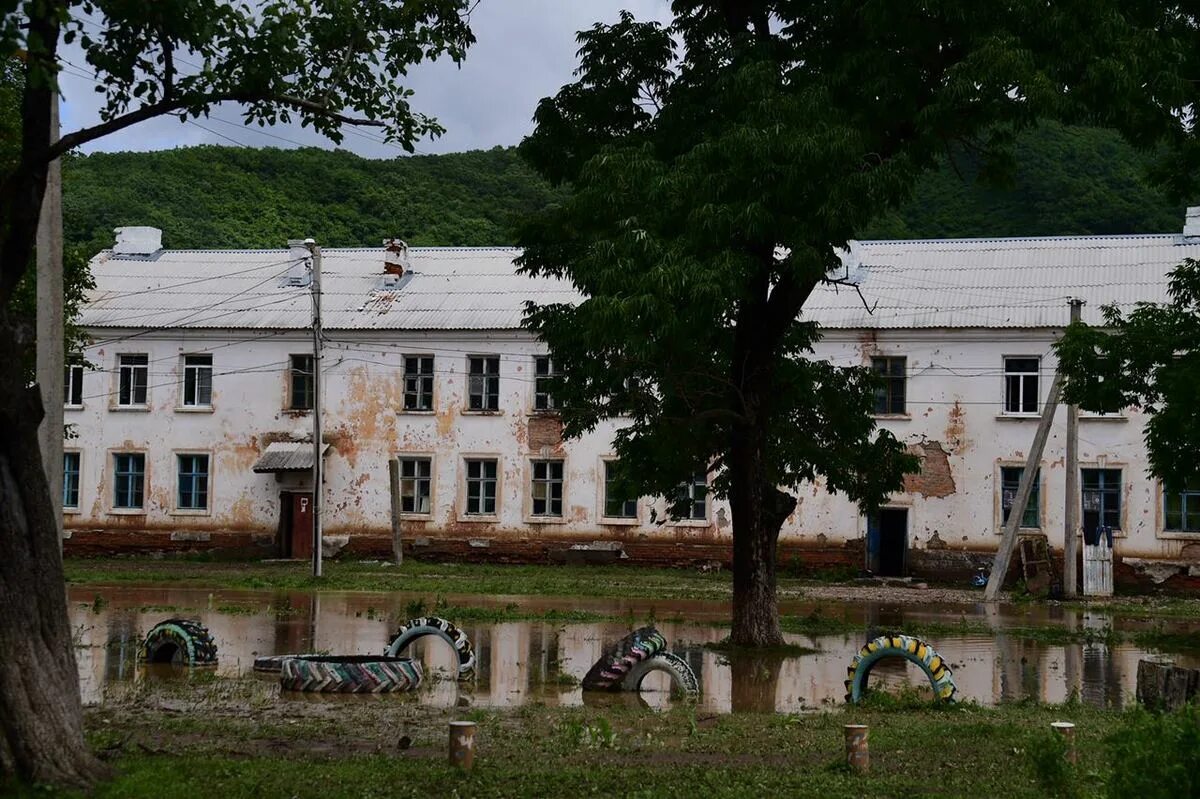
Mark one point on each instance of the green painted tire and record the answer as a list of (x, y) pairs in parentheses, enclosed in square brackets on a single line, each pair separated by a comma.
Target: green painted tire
[(349, 674), (182, 642), (683, 679), (911, 649)]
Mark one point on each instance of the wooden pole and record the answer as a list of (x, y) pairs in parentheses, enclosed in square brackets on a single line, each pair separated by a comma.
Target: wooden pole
[(394, 488), (1071, 515), (1009, 540), (316, 378)]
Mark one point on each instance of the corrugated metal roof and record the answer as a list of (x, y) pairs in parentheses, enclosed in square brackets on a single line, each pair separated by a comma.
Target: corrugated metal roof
[(450, 289), (997, 282), (909, 284), (287, 456)]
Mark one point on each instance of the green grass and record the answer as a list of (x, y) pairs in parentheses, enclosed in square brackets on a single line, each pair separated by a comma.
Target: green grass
[(232, 745)]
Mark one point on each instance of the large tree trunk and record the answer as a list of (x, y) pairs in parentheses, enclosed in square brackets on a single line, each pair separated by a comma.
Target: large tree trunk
[(41, 717), (759, 510)]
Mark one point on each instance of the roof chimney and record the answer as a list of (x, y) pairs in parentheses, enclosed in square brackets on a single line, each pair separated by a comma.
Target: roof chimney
[(395, 257), (1191, 223), (137, 241)]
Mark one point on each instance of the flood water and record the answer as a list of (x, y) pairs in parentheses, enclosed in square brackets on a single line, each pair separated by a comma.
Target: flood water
[(525, 661)]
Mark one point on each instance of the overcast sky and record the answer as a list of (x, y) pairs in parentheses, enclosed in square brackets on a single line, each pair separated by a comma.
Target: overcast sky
[(525, 50)]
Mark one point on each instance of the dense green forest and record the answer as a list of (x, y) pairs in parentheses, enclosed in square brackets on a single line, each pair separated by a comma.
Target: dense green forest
[(1067, 181)]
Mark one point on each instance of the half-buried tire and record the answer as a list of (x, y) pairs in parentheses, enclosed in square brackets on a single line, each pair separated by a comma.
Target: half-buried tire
[(911, 649), (683, 679), (414, 629), (182, 642), (349, 674), (609, 672), (273, 664)]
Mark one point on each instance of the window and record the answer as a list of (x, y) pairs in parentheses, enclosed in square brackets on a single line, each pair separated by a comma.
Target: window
[(889, 397), (547, 488), (418, 382), (616, 505), (301, 395), (193, 482), (543, 373), (481, 487), (484, 383), (1101, 498), (197, 381), (73, 385), (1182, 510), (70, 497), (130, 483), (1010, 483), (134, 373), (1021, 385), (415, 483), (695, 494)]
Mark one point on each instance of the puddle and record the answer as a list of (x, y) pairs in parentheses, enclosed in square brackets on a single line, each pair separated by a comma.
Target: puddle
[(542, 661)]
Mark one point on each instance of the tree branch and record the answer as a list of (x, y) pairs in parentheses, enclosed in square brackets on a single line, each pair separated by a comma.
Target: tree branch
[(842, 281)]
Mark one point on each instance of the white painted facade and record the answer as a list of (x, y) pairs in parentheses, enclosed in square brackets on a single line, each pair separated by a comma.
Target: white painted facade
[(953, 329)]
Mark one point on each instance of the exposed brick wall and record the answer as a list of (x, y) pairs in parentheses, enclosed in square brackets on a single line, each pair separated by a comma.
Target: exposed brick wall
[(934, 479)]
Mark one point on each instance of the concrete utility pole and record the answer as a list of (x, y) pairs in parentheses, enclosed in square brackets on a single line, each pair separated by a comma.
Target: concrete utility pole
[(316, 378), (1071, 515), (50, 356), (1004, 553)]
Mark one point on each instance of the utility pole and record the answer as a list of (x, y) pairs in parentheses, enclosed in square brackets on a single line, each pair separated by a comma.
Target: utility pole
[(316, 378), (1004, 553), (1071, 515), (50, 355)]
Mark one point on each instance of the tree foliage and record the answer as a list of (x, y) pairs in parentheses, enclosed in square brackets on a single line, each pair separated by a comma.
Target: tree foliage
[(715, 169), (1148, 358)]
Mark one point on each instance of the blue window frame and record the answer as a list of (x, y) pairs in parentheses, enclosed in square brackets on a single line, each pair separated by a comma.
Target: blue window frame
[(1102, 498), (1181, 510), (129, 487), (70, 480), (193, 482)]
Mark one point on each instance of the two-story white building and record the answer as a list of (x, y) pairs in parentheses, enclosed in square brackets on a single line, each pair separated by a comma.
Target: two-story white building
[(194, 404)]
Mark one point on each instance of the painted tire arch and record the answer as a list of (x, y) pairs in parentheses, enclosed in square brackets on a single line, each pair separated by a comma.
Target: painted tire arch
[(180, 641), (424, 626), (907, 647), (614, 666)]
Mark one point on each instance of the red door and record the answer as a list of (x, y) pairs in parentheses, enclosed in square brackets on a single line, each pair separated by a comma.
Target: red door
[(302, 522)]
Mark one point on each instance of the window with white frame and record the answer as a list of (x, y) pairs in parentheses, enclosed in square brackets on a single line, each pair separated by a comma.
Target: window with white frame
[(481, 486), (483, 380), (70, 499), (543, 374), (617, 505), (547, 488), (418, 382), (1181, 510), (73, 385), (192, 474), (1021, 384), (197, 381), (1010, 483), (129, 480), (694, 495), (133, 379), (416, 483)]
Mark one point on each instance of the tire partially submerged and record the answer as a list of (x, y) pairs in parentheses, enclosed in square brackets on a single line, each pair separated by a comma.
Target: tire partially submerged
[(683, 679), (611, 670), (349, 674), (182, 642), (273, 664), (907, 647), (424, 626)]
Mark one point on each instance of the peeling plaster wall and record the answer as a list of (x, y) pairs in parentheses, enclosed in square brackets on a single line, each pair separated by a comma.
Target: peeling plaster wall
[(954, 398)]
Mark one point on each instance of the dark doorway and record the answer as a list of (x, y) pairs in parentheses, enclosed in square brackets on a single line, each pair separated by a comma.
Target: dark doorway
[(295, 525), (887, 542)]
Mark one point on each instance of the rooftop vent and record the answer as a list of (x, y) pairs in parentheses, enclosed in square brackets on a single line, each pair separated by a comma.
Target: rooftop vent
[(137, 241), (395, 257), (1191, 224)]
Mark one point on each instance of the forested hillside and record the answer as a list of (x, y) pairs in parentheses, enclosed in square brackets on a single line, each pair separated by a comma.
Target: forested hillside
[(1068, 181)]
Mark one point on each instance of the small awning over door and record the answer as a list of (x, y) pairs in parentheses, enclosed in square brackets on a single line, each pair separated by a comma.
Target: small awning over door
[(287, 456)]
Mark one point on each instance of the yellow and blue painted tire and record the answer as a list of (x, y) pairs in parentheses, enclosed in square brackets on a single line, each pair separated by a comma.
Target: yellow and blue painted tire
[(899, 646)]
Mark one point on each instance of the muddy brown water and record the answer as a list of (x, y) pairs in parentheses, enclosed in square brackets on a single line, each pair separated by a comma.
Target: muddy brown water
[(541, 661)]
